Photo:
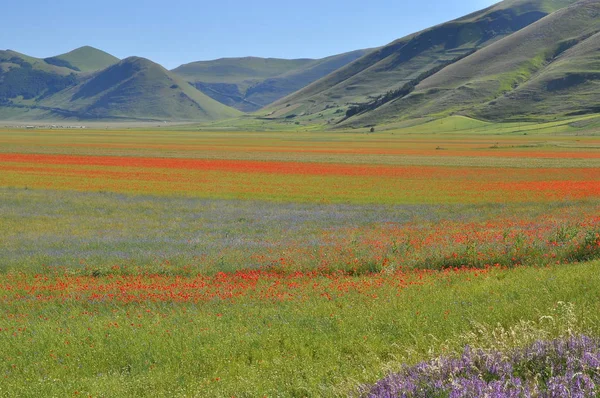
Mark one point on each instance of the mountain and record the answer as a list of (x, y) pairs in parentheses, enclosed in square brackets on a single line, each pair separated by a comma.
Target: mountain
[(411, 58), (237, 70), (550, 68), (133, 89), (251, 83), (568, 83), (26, 77), (84, 59)]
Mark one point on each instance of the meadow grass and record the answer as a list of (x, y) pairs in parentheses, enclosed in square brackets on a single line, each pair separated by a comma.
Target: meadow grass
[(192, 281), (92, 232), (307, 345)]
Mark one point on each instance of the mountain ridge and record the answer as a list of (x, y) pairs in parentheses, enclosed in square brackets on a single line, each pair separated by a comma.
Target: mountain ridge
[(250, 83), (499, 83), (134, 88), (517, 59), (403, 60)]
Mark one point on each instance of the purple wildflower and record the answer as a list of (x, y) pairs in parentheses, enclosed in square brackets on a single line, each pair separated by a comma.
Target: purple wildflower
[(546, 369)]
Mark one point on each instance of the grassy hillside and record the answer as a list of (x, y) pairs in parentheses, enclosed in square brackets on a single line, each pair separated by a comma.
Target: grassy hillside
[(394, 65), (278, 87), (84, 59), (237, 70), (66, 87), (251, 83), (539, 70), (136, 88), (569, 85), (23, 79), (12, 59)]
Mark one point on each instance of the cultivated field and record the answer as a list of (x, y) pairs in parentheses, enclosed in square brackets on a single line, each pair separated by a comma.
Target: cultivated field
[(187, 263)]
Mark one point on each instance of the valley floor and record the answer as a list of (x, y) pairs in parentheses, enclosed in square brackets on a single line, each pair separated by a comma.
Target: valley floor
[(186, 263)]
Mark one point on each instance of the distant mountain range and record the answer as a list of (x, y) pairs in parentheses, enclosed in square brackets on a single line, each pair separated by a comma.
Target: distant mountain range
[(519, 59), (89, 84)]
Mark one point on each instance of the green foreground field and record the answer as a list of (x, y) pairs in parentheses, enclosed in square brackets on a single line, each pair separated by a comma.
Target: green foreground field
[(310, 346)]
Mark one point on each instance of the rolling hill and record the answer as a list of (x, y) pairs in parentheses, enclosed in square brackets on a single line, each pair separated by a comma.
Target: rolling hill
[(84, 59), (408, 59), (251, 83), (132, 89), (547, 69)]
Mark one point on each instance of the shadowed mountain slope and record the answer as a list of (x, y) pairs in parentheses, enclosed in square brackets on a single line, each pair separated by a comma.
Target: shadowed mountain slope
[(251, 83), (25, 78), (547, 68), (401, 62), (132, 89), (139, 89)]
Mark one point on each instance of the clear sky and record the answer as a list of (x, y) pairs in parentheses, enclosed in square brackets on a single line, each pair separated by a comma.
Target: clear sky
[(173, 32)]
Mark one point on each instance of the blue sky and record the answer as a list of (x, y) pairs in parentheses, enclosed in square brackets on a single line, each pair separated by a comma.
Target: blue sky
[(174, 32)]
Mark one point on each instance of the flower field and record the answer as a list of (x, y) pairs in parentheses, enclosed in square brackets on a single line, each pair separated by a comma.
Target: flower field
[(178, 263), (299, 181)]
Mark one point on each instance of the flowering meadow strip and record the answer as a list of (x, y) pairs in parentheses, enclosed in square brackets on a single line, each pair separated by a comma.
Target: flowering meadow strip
[(481, 150), (182, 143), (298, 181), (547, 369), (309, 334), (299, 168), (248, 284), (92, 232)]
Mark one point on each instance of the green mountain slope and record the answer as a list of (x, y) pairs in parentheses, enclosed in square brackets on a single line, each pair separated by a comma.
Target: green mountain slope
[(24, 78), (548, 68), (84, 59), (237, 70), (12, 59), (136, 88), (393, 66), (251, 83), (569, 85)]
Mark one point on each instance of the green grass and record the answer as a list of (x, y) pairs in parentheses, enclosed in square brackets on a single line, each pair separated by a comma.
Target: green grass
[(238, 70), (565, 86), (251, 347), (464, 125), (427, 126), (37, 63)]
